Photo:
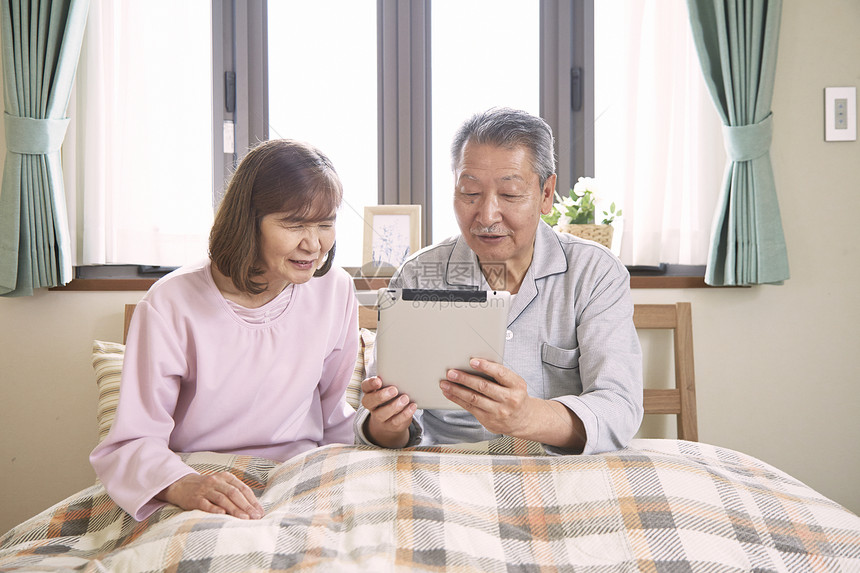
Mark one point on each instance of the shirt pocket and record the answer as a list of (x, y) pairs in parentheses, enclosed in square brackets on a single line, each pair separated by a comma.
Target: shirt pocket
[(559, 357)]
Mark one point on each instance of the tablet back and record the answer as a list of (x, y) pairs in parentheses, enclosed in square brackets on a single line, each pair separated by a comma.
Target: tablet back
[(423, 333)]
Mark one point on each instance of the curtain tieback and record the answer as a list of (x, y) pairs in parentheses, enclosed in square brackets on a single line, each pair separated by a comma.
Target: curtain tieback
[(748, 142), (28, 136)]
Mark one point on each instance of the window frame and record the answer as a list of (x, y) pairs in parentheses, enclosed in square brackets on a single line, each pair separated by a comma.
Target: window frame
[(239, 47), (567, 102)]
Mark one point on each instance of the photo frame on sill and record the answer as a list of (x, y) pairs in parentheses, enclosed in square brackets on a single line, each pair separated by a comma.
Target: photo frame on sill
[(391, 234)]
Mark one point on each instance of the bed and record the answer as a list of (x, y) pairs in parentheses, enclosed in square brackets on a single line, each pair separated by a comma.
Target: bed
[(658, 505)]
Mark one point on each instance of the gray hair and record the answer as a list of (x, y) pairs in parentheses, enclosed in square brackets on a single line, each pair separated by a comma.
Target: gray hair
[(509, 128)]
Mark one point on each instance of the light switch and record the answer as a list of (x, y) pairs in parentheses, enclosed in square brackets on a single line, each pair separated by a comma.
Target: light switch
[(841, 110), (840, 114)]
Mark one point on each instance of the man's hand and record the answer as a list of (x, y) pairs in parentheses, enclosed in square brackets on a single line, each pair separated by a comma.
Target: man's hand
[(503, 406), (221, 493), (390, 413)]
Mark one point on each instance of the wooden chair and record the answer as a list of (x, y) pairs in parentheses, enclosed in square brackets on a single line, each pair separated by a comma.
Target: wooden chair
[(679, 401), (129, 310)]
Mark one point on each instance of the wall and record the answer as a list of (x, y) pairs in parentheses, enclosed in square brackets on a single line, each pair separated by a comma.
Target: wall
[(778, 367), (48, 395)]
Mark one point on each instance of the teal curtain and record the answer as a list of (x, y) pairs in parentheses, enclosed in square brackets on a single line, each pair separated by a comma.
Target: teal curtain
[(41, 42), (736, 41)]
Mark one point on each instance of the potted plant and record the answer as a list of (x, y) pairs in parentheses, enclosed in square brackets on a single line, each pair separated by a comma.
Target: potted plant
[(575, 214)]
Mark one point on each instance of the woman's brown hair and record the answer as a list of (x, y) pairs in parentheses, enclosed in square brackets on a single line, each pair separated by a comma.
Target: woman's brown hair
[(277, 176)]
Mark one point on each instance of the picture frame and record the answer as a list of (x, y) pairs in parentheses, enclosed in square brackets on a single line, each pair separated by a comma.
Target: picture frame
[(391, 234)]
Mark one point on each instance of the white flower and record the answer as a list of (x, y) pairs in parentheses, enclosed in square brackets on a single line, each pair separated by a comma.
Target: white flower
[(584, 184), (564, 220)]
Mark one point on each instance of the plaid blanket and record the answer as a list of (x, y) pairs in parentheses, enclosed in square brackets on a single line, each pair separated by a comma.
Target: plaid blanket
[(660, 505)]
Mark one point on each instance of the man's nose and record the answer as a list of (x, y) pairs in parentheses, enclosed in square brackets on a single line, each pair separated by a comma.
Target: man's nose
[(488, 211)]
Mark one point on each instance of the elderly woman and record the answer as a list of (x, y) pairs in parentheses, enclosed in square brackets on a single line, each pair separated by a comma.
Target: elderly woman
[(248, 352)]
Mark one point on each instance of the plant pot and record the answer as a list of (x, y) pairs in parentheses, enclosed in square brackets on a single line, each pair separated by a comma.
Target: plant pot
[(598, 233)]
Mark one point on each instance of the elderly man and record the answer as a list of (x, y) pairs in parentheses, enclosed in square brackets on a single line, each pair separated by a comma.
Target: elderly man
[(572, 378)]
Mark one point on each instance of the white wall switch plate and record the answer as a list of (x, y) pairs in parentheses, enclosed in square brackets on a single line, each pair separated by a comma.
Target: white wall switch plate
[(840, 114)]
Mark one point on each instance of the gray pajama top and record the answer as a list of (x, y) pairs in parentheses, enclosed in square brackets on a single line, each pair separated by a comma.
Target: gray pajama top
[(570, 336)]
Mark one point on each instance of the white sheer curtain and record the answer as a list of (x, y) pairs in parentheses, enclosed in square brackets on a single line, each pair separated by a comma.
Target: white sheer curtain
[(658, 141), (138, 156)]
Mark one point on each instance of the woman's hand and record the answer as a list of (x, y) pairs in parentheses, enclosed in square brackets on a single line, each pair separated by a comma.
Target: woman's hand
[(390, 413), (221, 493)]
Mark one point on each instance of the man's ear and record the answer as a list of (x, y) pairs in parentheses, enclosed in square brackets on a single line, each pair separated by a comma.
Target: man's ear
[(548, 195)]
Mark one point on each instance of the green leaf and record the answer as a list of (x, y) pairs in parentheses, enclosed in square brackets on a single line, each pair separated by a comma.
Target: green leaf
[(552, 218)]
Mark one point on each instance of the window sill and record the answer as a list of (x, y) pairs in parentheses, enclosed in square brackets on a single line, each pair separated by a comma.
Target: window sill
[(668, 282), (135, 278), (362, 283)]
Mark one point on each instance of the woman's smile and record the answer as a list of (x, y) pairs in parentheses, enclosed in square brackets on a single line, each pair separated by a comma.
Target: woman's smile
[(304, 265)]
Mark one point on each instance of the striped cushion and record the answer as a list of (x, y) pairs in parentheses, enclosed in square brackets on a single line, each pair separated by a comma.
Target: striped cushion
[(365, 355), (107, 362)]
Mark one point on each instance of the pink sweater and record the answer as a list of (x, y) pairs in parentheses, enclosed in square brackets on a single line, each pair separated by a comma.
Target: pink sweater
[(198, 378)]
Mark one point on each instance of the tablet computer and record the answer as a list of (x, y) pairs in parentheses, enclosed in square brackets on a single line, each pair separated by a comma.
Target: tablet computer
[(423, 333)]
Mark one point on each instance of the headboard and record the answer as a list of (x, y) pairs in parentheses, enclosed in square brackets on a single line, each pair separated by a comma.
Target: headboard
[(679, 401)]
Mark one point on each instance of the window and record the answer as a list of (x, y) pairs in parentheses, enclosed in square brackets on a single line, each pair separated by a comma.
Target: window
[(658, 142), (323, 89), (405, 75), (471, 67), (138, 156), (380, 86)]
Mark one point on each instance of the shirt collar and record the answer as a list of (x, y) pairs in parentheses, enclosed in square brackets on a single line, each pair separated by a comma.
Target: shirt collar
[(462, 268), (548, 259)]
